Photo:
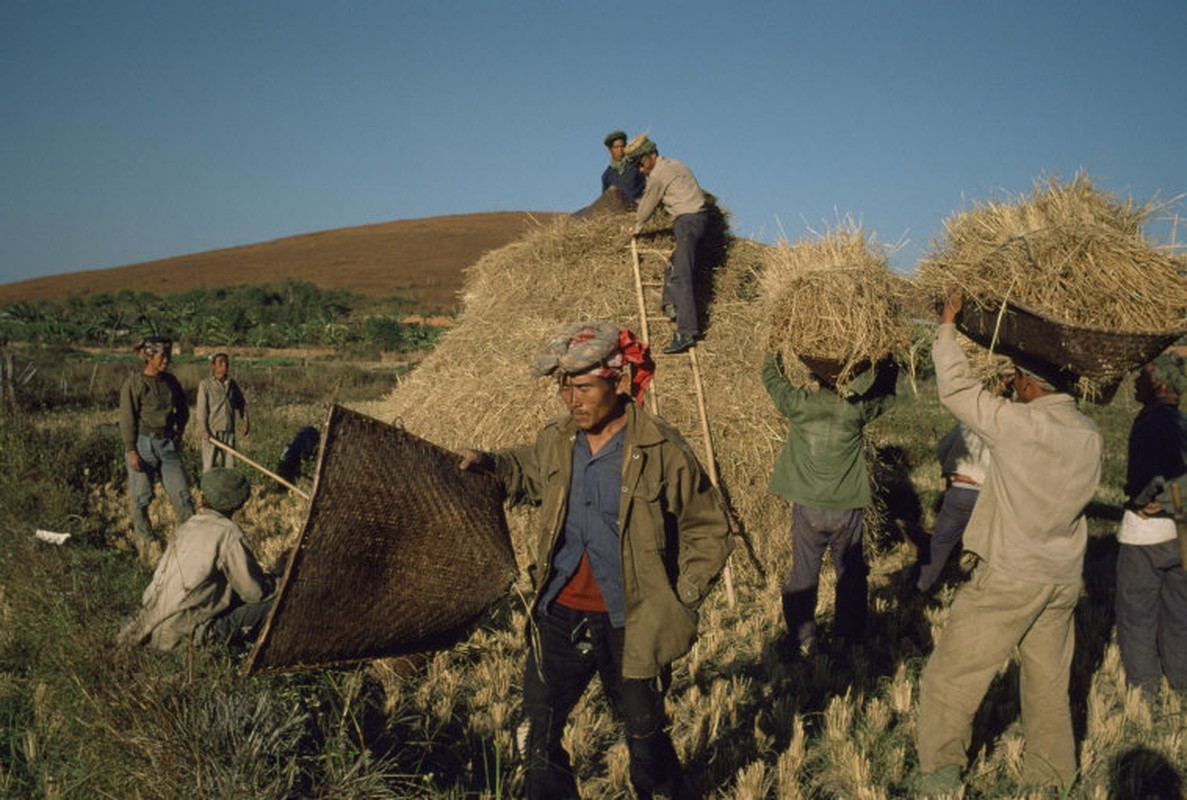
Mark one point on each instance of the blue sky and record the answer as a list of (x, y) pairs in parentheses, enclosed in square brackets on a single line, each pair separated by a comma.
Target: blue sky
[(140, 130)]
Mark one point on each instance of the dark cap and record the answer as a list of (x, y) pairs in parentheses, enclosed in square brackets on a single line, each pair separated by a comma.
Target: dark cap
[(614, 136), (225, 490)]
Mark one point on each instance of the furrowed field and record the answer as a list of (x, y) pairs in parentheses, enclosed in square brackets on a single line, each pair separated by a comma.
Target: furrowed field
[(80, 718)]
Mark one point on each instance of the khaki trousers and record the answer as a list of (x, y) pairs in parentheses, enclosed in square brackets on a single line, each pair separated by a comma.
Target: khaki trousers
[(990, 617)]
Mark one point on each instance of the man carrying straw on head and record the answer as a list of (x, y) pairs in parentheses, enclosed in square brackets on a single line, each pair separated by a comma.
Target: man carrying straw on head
[(632, 537), (1029, 531)]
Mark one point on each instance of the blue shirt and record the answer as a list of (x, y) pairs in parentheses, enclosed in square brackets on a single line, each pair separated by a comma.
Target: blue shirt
[(591, 525), (630, 181)]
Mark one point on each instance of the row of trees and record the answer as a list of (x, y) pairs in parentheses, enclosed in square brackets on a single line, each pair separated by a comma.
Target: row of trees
[(288, 314)]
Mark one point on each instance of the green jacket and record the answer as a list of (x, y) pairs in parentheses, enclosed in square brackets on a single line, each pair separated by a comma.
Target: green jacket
[(671, 522), (822, 463)]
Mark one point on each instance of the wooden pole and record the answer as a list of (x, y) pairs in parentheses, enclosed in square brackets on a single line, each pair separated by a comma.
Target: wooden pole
[(267, 472), (726, 573), (644, 327), (7, 382)]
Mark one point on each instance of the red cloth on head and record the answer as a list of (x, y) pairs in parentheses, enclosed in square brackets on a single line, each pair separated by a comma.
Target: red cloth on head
[(638, 355)]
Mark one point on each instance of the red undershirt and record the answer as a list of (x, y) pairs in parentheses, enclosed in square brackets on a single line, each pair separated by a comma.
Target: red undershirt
[(581, 592)]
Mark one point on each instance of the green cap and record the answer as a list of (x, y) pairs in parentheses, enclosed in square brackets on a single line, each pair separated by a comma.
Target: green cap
[(614, 136), (226, 490)]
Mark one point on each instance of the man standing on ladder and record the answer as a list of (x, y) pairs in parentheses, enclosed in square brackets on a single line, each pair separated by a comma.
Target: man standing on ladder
[(671, 183)]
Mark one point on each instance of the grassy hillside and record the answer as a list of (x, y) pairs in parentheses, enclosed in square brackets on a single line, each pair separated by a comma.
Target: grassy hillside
[(421, 259)]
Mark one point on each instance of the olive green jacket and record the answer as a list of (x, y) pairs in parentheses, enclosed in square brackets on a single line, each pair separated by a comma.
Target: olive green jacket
[(822, 463), (672, 526)]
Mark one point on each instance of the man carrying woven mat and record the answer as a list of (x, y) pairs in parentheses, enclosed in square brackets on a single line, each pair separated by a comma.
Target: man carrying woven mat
[(1151, 581), (632, 537), (1029, 531)]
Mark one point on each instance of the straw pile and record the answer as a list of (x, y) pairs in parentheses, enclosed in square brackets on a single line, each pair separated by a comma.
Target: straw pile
[(832, 298), (476, 389), (1066, 251)]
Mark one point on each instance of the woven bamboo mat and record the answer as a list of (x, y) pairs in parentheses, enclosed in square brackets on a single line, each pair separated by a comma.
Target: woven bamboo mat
[(1087, 361), (400, 552)]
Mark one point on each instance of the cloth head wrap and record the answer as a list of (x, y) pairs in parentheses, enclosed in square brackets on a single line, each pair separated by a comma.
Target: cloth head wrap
[(226, 490), (153, 345), (601, 349), (1169, 367)]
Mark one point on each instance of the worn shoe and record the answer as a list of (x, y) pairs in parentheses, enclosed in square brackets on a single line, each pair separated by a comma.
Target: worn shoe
[(680, 342), (943, 782)]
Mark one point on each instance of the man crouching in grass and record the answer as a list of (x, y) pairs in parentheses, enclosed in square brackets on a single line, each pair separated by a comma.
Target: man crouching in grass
[(208, 584), (632, 537)]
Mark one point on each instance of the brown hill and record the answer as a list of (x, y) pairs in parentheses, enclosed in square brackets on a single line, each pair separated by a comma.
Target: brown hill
[(421, 259)]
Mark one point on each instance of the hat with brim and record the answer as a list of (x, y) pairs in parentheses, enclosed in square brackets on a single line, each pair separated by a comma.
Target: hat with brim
[(225, 490), (639, 147)]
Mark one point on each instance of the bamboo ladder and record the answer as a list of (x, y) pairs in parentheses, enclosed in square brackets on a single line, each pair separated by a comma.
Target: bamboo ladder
[(653, 395)]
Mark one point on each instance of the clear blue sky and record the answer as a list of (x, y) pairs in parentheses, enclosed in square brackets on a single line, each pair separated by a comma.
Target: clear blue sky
[(139, 130)]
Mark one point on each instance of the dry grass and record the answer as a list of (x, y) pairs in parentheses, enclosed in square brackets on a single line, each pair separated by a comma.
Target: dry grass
[(476, 388), (833, 297), (746, 722), (1065, 250)]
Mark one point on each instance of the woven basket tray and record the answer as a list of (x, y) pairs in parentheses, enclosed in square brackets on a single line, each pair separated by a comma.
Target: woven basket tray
[(400, 552), (827, 370), (1087, 361)]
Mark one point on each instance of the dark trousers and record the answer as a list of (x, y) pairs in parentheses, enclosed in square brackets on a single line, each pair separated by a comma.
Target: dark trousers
[(1152, 615), (680, 275), (240, 625), (953, 518), (812, 531), (566, 648)]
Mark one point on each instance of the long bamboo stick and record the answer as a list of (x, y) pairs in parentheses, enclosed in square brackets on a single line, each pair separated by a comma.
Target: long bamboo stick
[(710, 457), (644, 327), (264, 470)]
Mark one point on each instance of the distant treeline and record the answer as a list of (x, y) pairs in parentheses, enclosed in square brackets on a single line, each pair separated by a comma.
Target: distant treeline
[(288, 314)]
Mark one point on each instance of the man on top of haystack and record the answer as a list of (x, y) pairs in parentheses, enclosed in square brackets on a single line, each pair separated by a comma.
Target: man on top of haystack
[(622, 174), (632, 537), (672, 184), (1028, 529), (152, 416), (1151, 580)]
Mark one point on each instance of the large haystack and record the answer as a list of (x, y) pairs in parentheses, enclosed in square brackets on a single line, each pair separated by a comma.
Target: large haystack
[(831, 300), (1066, 251), (476, 389)]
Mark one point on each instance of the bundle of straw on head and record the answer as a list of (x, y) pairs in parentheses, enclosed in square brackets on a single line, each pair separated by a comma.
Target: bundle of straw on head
[(1066, 251), (832, 298)]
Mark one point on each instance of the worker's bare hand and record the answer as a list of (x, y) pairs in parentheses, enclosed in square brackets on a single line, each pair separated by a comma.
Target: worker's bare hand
[(953, 302), (1150, 509), (134, 461), (468, 459)]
